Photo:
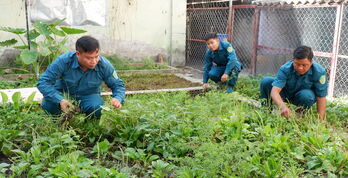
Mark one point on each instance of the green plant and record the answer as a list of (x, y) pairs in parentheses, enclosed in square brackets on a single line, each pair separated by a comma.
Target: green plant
[(173, 135), (127, 64), (46, 41)]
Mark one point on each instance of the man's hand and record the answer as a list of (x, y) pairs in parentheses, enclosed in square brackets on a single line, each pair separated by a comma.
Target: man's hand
[(224, 78), (115, 103), (65, 106), (205, 85), (277, 99), (285, 111), (321, 106)]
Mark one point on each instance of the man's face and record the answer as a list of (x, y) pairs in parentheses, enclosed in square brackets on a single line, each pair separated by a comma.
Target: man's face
[(302, 65), (213, 44), (88, 60)]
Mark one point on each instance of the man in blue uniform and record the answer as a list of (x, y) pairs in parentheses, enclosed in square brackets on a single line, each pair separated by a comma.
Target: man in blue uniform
[(221, 63), (79, 75), (299, 81)]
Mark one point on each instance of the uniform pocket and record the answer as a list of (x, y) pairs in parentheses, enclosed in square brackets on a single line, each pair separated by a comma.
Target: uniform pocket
[(93, 84), (70, 83), (307, 84)]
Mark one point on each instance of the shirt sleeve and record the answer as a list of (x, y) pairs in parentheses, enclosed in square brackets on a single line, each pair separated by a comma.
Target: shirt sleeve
[(232, 59), (113, 81), (48, 79), (320, 86), (207, 66), (280, 79)]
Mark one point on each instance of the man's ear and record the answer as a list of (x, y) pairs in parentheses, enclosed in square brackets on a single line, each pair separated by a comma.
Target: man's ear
[(78, 53)]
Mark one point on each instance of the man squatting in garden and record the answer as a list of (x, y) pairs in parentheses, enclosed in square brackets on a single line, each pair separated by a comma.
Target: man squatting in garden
[(79, 74), (300, 81), (221, 63)]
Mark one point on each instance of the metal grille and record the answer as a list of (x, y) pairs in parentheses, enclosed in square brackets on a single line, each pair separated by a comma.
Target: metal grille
[(265, 37), (195, 54), (344, 33), (290, 28), (283, 29), (325, 62), (203, 18), (341, 80), (242, 36)]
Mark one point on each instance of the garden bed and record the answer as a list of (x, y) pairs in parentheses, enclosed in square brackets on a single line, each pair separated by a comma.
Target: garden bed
[(134, 80), (153, 81), (173, 135)]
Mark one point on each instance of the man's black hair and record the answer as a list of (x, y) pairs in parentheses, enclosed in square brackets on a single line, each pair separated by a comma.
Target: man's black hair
[(303, 52), (210, 36), (86, 44)]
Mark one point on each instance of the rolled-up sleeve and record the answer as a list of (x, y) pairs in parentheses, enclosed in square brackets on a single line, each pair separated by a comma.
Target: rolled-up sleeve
[(280, 79), (48, 79), (207, 66)]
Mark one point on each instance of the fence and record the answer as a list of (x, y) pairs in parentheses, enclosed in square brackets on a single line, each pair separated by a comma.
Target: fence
[(203, 18), (264, 37)]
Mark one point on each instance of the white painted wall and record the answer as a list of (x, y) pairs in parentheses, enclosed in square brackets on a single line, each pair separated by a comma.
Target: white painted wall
[(134, 28), (12, 15)]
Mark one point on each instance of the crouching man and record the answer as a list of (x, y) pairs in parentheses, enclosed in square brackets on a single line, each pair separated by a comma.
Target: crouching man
[(300, 81), (78, 75)]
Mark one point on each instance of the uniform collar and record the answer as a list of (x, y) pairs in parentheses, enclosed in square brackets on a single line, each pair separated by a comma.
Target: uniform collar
[(76, 64), (220, 46)]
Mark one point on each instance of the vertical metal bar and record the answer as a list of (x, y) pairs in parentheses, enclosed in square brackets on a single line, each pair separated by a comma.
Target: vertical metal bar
[(335, 48), (27, 21), (230, 21), (256, 25), (171, 34)]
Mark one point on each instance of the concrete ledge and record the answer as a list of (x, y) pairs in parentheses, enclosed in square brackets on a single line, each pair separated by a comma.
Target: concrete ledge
[(26, 92)]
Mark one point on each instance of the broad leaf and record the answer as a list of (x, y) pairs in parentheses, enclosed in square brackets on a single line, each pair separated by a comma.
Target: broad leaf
[(33, 34), (8, 42), (33, 45), (44, 49), (30, 99), (21, 47), (4, 165), (42, 28), (49, 38), (57, 32), (72, 30), (29, 57), (58, 22), (4, 97), (16, 98), (13, 30)]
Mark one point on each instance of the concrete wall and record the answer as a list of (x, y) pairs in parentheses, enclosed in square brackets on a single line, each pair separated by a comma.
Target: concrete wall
[(12, 15), (135, 29)]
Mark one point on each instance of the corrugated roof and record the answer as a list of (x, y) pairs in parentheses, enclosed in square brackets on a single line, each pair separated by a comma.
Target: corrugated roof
[(294, 2)]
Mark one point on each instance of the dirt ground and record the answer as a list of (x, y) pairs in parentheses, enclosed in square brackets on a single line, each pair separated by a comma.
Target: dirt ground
[(152, 81)]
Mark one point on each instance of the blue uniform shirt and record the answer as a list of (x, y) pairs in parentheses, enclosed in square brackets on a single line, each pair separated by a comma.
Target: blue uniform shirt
[(66, 75), (224, 56), (314, 79)]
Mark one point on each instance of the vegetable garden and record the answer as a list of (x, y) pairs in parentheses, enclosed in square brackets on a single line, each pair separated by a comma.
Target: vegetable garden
[(163, 134), (212, 134)]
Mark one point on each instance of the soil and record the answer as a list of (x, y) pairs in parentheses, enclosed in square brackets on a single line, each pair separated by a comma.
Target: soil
[(133, 81), (153, 81)]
